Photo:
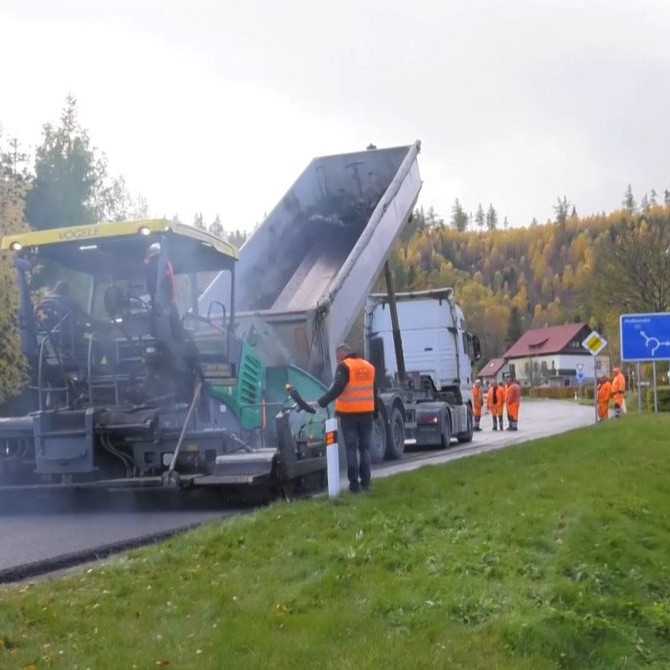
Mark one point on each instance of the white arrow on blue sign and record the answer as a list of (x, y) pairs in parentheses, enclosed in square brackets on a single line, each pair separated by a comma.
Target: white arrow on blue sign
[(645, 337)]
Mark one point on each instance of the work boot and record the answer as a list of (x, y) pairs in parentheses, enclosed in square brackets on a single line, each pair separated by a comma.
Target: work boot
[(495, 423)]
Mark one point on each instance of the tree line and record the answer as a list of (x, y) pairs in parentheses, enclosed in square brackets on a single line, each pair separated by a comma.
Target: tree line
[(571, 269)]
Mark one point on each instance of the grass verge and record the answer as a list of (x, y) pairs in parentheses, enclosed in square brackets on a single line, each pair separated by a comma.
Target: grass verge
[(551, 555)]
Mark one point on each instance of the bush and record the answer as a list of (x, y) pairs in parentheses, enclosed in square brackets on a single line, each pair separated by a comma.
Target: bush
[(663, 393)]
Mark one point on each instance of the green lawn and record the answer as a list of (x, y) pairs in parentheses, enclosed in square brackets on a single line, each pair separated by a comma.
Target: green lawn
[(550, 555)]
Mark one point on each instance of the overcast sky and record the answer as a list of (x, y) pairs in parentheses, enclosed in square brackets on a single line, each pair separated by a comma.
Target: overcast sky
[(217, 106)]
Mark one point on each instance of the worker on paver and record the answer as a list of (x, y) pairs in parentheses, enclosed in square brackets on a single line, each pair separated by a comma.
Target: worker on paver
[(513, 402), (162, 289), (495, 401), (356, 404), (618, 392), (477, 403), (604, 395)]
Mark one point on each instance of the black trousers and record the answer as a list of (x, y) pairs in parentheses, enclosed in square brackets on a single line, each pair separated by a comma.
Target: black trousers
[(357, 434)]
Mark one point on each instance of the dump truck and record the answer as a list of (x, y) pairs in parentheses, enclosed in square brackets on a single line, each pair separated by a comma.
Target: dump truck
[(139, 376), (307, 274), (423, 355)]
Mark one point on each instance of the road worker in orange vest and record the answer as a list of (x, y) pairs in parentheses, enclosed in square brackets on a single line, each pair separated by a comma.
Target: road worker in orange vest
[(495, 401), (502, 395), (618, 392), (604, 395), (513, 402), (356, 404), (477, 403)]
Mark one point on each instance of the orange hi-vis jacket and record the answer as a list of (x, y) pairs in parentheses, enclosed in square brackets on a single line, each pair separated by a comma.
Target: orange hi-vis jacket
[(496, 404), (513, 400), (477, 400), (618, 388), (358, 396), (604, 394)]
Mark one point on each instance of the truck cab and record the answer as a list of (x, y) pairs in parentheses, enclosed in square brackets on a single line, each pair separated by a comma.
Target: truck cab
[(430, 389)]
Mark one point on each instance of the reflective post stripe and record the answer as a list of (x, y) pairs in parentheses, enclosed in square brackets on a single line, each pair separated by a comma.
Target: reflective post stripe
[(332, 458)]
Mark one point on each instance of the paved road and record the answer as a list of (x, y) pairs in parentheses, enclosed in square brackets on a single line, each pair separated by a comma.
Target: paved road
[(38, 527)]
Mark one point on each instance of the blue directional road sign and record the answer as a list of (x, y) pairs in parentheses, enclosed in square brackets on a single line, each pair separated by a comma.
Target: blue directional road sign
[(645, 337)]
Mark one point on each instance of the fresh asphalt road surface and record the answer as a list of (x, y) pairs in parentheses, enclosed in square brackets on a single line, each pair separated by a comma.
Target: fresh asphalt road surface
[(35, 527)]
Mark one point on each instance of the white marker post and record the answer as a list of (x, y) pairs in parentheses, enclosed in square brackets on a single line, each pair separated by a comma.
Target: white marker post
[(594, 343), (332, 458)]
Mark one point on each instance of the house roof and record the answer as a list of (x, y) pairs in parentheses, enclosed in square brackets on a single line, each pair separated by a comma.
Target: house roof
[(543, 341), (492, 368)]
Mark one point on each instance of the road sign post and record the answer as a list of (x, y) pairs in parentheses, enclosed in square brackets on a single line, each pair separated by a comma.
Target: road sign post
[(594, 343), (645, 338), (579, 375), (653, 368), (639, 390)]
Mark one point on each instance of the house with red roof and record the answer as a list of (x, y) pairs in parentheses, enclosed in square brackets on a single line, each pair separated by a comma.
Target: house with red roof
[(494, 370), (551, 356)]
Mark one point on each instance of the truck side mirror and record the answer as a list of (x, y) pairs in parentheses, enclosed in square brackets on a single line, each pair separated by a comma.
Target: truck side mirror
[(476, 348)]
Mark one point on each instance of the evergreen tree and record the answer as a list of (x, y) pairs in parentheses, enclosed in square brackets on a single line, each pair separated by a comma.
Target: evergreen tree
[(666, 197), (432, 220), (562, 208), (653, 198), (505, 223), (237, 238), (629, 203), (491, 218), (534, 223), (71, 185), (13, 186), (459, 219), (480, 219), (67, 175), (216, 227), (644, 203), (198, 221)]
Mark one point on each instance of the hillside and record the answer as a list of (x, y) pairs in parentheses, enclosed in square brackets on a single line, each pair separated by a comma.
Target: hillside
[(511, 280)]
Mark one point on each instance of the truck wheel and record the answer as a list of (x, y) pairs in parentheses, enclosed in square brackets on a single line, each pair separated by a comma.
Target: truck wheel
[(467, 435), (446, 433), (395, 443), (378, 442)]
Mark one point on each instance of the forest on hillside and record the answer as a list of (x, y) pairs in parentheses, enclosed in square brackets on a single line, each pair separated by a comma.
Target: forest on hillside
[(572, 269)]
